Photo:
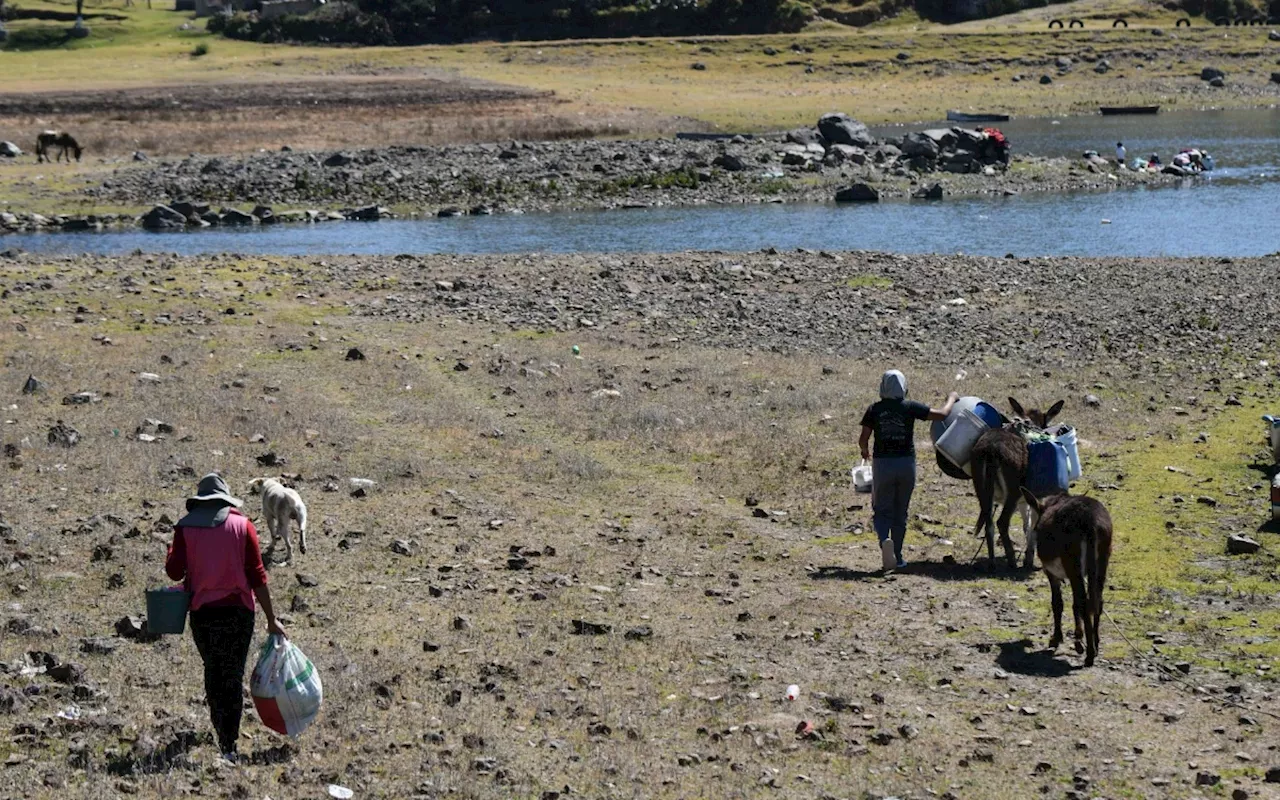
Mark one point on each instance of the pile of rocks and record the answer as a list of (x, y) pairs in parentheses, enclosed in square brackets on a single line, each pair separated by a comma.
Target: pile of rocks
[(199, 215), (838, 139)]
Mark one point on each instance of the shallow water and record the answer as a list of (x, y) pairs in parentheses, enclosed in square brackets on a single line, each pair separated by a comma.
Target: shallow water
[(1232, 211)]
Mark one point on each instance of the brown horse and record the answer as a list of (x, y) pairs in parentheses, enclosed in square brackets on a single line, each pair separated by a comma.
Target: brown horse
[(47, 140)]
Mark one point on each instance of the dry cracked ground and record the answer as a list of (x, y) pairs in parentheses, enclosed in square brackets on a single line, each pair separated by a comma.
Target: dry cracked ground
[(595, 574)]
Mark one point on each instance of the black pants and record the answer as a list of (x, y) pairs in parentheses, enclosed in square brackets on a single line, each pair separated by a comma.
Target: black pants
[(222, 635)]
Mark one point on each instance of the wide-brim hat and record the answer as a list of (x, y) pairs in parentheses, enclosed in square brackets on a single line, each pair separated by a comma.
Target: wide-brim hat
[(213, 488)]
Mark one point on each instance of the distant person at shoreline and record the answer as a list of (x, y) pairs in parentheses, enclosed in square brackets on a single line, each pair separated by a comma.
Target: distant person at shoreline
[(891, 421), (1121, 153)]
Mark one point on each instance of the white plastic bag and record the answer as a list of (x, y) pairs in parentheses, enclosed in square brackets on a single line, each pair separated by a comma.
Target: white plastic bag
[(285, 687), (861, 477)]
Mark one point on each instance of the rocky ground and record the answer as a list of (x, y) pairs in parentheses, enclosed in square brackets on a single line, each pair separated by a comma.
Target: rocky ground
[(539, 176), (610, 523)]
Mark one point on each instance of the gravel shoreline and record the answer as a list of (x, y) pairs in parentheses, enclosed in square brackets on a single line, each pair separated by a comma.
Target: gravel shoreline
[(545, 176)]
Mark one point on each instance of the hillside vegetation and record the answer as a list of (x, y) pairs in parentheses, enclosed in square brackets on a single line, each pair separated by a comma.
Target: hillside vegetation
[(411, 22)]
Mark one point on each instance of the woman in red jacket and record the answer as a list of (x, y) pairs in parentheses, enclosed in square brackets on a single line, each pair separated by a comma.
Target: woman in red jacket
[(215, 553)]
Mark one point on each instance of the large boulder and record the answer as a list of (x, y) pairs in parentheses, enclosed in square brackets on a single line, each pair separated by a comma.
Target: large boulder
[(10, 150), (969, 139), (338, 160), (234, 216), (960, 162), (190, 209), (804, 136), (858, 193), (843, 129), (729, 162), (162, 217), (1209, 73), (919, 144), (848, 153)]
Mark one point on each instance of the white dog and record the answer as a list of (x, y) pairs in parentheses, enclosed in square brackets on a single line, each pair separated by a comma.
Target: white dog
[(279, 505)]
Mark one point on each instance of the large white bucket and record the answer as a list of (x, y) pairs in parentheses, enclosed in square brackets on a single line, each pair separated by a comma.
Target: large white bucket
[(958, 441), (1273, 431), (1066, 436)]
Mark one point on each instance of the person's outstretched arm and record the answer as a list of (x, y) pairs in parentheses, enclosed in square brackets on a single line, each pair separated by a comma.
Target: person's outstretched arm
[(939, 414)]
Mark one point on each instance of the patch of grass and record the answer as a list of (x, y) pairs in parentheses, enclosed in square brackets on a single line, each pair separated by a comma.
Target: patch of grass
[(868, 282), (201, 49)]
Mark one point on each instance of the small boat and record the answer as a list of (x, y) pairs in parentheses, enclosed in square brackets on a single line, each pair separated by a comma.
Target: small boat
[(960, 116), (1113, 111), (698, 136)]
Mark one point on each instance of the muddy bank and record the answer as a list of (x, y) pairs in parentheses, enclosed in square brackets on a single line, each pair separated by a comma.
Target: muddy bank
[(541, 176)]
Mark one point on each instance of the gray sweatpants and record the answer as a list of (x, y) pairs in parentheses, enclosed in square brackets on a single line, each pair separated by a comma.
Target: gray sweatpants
[(893, 481)]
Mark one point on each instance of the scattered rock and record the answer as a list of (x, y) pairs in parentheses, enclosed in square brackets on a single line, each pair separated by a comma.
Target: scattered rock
[(858, 193), (1210, 73), (32, 385), (402, 547), (134, 629), (843, 129), (338, 160), (10, 150), (1045, 80), (1238, 544), (934, 192), (355, 354), (1092, 401), (306, 580), (68, 673), (1218, 83), (583, 628), (639, 633), (729, 162), (161, 217), (63, 435)]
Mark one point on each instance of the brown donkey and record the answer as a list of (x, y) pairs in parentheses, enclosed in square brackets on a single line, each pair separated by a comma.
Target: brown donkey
[(1075, 546), (999, 466)]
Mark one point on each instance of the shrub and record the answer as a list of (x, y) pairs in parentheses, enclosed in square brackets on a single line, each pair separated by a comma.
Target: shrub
[(199, 50)]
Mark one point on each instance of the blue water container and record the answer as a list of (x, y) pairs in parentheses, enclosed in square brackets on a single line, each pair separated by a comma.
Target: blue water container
[(1048, 470), (988, 414)]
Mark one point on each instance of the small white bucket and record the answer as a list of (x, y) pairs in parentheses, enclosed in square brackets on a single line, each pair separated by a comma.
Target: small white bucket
[(1066, 436), (861, 475), (961, 435)]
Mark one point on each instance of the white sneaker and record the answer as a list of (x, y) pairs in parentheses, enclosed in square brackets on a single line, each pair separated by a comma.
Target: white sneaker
[(888, 558)]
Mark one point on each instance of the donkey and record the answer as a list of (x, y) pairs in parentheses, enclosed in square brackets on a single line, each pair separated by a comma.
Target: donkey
[(1075, 546), (47, 140), (999, 466)]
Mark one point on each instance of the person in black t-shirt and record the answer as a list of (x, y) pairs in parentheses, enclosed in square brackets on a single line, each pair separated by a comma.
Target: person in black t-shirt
[(893, 467)]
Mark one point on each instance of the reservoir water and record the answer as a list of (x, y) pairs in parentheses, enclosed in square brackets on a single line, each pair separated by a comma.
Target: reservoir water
[(1233, 211)]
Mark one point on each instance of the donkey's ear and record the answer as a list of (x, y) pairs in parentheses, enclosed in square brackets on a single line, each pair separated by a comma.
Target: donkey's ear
[(1031, 500), (1017, 407), (1053, 411)]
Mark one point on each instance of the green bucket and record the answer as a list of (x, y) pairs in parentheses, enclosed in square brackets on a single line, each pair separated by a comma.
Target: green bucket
[(167, 610)]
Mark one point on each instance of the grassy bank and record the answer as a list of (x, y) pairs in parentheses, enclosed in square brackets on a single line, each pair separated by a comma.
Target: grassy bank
[(897, 72)]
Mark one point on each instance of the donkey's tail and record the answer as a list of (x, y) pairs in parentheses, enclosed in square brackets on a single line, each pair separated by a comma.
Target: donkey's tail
[(985, 475)]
